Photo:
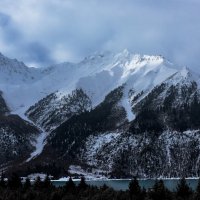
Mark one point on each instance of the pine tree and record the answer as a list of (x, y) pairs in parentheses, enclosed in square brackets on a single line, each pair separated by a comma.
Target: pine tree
[(159, 191), (2, 181), (104, 187), (47, 182), (70, 186), (183, 190), (134, 189), (82, 185), (27, 184), (197, 196), (38, 183), (15, 181)]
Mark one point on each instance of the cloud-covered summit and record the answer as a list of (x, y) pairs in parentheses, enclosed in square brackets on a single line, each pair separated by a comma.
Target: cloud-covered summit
[(50, 31)]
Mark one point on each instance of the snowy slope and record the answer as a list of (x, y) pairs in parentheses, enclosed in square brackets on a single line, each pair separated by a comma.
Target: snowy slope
[(138, 72), (172, 154), (105, 85), (16, 73), (181, 86), (184, 77), (97, 75)]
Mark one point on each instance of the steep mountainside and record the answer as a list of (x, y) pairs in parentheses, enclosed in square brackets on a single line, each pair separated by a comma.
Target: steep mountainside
[(112, 70), (162, 140), (171, 154), (123, 114), (174, 105), (106, 116), (53, 110), (16, 138), (138, 74)]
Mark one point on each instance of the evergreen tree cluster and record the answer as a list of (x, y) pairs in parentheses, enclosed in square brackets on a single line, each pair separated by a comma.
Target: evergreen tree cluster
[(176, 108), (14, 189)]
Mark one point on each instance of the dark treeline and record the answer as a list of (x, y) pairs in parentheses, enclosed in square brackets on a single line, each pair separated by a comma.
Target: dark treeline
[(13, 189)]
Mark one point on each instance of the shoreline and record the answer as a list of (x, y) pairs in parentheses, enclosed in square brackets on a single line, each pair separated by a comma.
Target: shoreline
[(128, 179)]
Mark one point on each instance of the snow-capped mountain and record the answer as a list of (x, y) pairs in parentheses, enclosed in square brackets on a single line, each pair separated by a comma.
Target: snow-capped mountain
[(15, 72), (99, 74), (105, 103), (140, 73)]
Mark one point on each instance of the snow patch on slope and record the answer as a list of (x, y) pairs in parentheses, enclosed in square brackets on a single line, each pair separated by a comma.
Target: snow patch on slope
[(39, 145), (127, 106), (38, 142), (93, 175)]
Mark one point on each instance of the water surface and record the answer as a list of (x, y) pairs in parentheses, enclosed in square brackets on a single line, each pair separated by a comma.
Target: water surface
[(123, 184)]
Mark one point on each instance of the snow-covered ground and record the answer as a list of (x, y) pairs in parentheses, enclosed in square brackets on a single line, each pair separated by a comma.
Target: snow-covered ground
[(127, 106), (39, 145), (102, 151), (97, 75), (94, 144), (34, 176), (39, 141), (93, 174)]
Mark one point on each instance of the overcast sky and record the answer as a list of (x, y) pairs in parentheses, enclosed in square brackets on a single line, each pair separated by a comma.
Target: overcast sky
[(43, 32)]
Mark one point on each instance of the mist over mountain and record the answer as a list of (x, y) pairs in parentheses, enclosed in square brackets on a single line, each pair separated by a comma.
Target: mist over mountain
[(47, 32)]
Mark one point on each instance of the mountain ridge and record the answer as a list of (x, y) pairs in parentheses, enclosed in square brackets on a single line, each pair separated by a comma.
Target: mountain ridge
[(114, 98)]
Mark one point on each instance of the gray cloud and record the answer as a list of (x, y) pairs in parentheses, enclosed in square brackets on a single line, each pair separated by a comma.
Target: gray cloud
[(4, 20), (33, 53), (50, 31)]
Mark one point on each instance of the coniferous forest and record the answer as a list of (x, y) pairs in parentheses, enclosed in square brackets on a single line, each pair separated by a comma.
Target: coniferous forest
[(14, 189)]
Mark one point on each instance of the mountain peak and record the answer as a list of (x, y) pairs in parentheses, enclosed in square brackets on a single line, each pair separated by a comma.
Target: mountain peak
[(124, 53), (154, 58), (185, 72), (8, 62), (184, 76), (2, 57), (128, 56)]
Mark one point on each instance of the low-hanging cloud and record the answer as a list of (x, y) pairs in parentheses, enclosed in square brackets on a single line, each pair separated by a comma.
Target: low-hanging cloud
[(49, 31)]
